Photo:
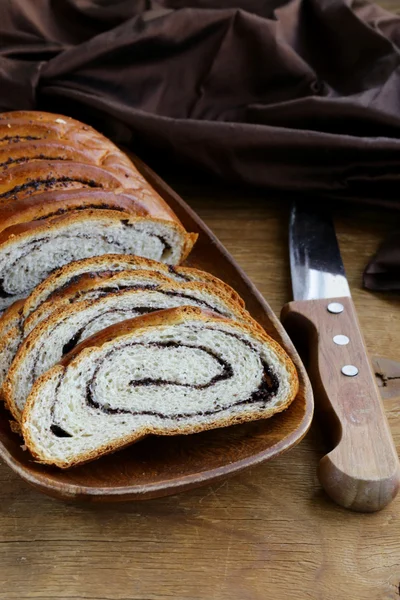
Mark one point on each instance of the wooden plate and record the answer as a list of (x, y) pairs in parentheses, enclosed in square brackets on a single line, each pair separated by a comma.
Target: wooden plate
[(163, 466)]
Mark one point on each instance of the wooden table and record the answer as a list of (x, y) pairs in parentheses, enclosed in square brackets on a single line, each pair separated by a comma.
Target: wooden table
[(269, 533)]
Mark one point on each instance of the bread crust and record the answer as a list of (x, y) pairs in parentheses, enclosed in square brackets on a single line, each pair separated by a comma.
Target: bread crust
[(13, 154), (32, 178), (156, 319), (53, 133), (39, 151), (11, 317), (32, 126), (58, 202)]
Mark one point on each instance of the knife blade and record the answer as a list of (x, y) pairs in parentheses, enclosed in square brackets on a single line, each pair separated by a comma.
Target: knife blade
[(362, 470), (316, 265)]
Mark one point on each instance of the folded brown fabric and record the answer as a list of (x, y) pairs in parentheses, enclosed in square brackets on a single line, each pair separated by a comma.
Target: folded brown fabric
[(383, 272), (299, 97)]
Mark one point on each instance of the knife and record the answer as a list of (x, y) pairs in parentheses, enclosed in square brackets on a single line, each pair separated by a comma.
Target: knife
[(362, 471)]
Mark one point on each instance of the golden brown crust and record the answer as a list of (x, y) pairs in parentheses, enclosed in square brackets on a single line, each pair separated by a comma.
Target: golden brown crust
[(82, 137), (11, 317), (38, 151), (198, 275), (32, 178), (58, 202), (31, 126), (22, 152), (157, 319), (27, 129)]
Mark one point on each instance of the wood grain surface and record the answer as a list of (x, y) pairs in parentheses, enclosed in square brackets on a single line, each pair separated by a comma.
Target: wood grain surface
[(268, 533)]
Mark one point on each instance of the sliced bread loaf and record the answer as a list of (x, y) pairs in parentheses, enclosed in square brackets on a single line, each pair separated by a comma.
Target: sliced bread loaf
[(178, 371), (65, 328)]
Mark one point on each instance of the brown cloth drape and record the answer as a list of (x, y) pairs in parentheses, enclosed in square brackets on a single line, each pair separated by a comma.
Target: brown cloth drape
[(302, 97)]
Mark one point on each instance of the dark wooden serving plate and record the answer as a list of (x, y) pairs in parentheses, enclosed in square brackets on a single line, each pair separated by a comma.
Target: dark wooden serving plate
[(162, 466)]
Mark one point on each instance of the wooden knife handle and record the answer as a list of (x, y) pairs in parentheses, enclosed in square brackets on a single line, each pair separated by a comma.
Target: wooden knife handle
[(362, 471)]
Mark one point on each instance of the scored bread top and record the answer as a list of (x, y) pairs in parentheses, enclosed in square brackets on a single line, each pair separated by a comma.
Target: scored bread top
[(31, 178), (36, 136), (42, 151), (14, 154), (20, 126), (58, 202), (32, 127)]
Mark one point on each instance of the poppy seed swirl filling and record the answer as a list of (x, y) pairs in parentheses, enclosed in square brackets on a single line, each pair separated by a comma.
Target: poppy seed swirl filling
[(185, 374), (267, 388), (37, 245), (24, 263)]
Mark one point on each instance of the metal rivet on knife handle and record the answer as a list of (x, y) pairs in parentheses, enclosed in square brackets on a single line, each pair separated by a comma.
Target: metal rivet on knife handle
[(335, 307), (341, 340), (349, 370)]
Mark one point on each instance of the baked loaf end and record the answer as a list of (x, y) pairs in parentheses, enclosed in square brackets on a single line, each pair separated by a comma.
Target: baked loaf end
[(179, 371)]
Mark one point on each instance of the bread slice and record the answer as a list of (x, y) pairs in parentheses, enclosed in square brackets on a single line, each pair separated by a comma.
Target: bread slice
[(29, 252), (76, 281), (91, 287), (65, 328), (178, 371), (62, 280), (94, 287), (71, 274)]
